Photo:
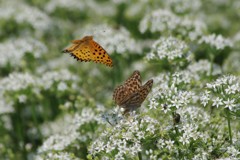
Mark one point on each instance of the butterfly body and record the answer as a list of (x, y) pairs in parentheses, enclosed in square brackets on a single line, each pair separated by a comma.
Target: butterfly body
[(86, 49), (132, 93)]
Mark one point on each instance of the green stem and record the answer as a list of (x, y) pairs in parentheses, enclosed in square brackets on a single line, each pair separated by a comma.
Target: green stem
[(211, 56), (35, 121), (18, 120), (229, 126), (139, 156)]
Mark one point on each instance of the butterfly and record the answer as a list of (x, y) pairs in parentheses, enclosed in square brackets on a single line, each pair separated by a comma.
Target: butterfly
[(86, 49), (132, 93)]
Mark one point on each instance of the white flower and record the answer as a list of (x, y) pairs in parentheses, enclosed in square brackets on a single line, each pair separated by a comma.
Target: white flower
[(176, 103), (217, 41), (184, 139), (151, 128), (217, 102), (22, 98), (205, 98), (233, 151), (170, 48), (169, 144), (150, 56), (119, 156), (140, 135), (229, 104), (17, 48), (113, 40), (135, 149), (160, 143), (153, 103), (232, 89), (183, 6), (165, 108), (23, 13), (62, 86), (164, 20)]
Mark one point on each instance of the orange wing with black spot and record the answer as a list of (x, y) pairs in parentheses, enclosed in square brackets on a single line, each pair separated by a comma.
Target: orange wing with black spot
[(87, 49)]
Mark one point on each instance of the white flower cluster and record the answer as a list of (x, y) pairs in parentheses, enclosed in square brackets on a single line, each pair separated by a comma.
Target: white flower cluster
[(231, 64), (124, 139), (159, 20), (216, 41), (203, 67), (92, 7), (20, 81), (52, 77), (113, 40), (171, 97), (52, 5), (5, 107), (13, 50), (190, 116), (224, 93), (169, 48), (183, 5), (23, 13), (56, 126), (56, 156), (166, 21), (70, 134), (16, 82)]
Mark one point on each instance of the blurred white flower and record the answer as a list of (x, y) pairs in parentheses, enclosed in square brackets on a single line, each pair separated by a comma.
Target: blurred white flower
[(183, 6), (14, 50), (5, 107), (169, 48), (22, 13), (230, 104), (217, 102), (169, 144), (232, 89), (163, 20), (203, 67), (217, 41), (184, 139), (153, 103), (62, 86), (205, 98), (111, 39), (56, 156), (17, 81), (233, 152), (90, 7), (22, 98)]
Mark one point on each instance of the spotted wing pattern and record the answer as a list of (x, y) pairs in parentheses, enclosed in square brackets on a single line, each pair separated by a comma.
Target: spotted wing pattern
[(131, 94), (86, 49)]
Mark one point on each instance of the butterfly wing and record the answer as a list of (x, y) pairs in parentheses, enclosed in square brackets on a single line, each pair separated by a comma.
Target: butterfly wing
[(99, 55), (86, 49), (135, 100), (133, 83), (145, 89), (71, 48), (119, 94), (82, 52)]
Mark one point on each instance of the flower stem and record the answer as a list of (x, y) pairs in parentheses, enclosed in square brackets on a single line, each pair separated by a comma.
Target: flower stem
[(229, 126), (211, 56), (139, 156)]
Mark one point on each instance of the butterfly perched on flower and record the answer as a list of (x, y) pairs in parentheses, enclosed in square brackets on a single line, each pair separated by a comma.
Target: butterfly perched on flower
[(132, 93), (86, 49)]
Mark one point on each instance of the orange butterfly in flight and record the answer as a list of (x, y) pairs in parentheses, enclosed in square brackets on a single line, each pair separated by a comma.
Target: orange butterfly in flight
[(86, 49)]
